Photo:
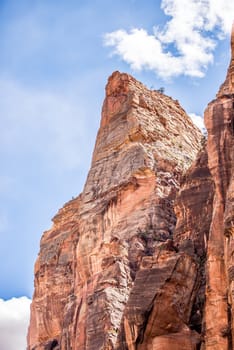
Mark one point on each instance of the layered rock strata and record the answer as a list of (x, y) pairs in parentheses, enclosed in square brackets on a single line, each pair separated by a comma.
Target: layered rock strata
[(219, 119), (108, 275), (143, 258)]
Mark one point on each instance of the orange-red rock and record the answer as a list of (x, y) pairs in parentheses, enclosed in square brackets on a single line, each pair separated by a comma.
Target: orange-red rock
[(143, 258), (108, 265), (219, 313)]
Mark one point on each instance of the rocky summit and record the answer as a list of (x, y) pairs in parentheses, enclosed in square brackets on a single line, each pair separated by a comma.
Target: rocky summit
[(143, 258)]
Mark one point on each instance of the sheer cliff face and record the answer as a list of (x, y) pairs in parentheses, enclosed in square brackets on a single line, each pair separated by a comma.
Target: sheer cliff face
[(108, 275), (219, 119), (143, 258)]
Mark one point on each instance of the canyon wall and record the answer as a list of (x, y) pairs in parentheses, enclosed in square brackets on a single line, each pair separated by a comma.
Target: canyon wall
[(142, 259), (219, 310)]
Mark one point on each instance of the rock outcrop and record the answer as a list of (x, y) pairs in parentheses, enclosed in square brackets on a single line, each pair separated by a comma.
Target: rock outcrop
[(143, 258), (109, 255), (219, 311)]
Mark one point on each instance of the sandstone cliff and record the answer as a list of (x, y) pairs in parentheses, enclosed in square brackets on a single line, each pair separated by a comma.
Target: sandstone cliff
[(142, 259), (219, 311)]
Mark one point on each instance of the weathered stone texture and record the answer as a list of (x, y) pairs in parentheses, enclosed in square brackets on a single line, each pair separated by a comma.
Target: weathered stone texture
[(143, 258), (95, 257), (54, 300), (219, 119)]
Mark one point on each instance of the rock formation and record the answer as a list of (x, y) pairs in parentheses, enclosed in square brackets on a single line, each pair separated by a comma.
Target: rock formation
[(219, 310), (142, 259)]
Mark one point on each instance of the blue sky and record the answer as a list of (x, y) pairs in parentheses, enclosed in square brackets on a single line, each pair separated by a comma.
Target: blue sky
[(55, 59)]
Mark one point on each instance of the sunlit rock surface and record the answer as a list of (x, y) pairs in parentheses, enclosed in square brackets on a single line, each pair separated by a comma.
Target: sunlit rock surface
[(108, 266), (143, 258), (219, 311)]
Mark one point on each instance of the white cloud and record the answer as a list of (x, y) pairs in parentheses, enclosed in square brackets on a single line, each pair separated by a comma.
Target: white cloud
[(188, 31), (14, 321), (198, 121)]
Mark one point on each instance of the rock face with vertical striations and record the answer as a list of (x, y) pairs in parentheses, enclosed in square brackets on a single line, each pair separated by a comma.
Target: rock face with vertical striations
[(109, 255), (219, 310), (143, 258)]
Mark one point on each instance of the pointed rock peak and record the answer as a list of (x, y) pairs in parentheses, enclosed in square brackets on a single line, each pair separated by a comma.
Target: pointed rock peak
[(227, 87), (121, 83)]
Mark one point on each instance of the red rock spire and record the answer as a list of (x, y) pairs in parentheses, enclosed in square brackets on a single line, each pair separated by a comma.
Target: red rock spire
[(89, 261)]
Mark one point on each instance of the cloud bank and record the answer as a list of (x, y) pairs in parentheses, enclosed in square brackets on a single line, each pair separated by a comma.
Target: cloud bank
[(198, 121), (184, 46), (14, 321)]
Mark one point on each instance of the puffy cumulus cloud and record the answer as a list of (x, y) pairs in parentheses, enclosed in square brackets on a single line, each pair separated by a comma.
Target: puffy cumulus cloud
[(184, 46), (14, 321), (198, 121)]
